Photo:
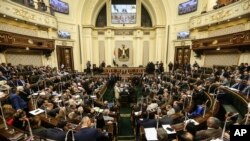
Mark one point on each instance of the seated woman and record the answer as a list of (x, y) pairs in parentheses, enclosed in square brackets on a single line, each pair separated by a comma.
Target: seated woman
[(197, 112)]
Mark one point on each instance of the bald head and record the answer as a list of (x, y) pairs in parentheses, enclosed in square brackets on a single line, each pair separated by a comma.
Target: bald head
[(213, 122)]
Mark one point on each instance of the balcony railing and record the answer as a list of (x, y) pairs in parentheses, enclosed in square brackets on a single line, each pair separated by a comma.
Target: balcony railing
[(40, 5), (234, 10), (24, 10)]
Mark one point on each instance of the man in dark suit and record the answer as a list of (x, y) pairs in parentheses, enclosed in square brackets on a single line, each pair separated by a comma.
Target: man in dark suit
[(2, 77), (86, 132), (214, 131)]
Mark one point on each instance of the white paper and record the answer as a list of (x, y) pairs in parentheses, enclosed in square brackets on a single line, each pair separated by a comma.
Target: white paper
[(233, 89), (36, 112), (192, 120), (168, 131), (151, 134)]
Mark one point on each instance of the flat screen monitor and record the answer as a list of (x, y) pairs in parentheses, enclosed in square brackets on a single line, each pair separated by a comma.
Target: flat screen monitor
[(63, 34), (123, 13), (183, 35), (59, 6), (187, 7)]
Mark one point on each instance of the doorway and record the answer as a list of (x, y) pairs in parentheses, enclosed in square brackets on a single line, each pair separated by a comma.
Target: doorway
[(65, 57)]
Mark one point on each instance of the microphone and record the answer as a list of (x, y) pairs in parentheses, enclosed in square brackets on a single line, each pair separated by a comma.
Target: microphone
[(224, 127), (205, 108), (30, 130), (235, 114)]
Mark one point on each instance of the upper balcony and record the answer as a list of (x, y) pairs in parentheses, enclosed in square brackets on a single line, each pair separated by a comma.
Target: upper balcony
[(29, 11), (232, 11)]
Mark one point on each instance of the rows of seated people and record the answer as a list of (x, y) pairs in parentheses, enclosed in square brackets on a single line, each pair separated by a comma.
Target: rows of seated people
[(170, 92), (71, 99), (168, 96)]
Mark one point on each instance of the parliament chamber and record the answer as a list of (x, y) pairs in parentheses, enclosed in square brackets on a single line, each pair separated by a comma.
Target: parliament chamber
[(124, 70)]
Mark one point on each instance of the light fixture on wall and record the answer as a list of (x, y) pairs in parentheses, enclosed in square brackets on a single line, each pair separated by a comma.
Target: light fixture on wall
[(218, 48), (27, 48)]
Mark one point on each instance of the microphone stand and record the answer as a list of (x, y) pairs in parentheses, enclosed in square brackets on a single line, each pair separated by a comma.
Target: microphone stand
[(30, 130), (141, 102), (248, 112), (205, 108), (4, 120), (248, 91), (191, 99), (224, 127), (46, 114), (215, 100), (185, 123)]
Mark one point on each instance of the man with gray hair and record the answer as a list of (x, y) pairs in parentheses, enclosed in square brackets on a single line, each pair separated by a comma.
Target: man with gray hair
[(86, 132), (213, 130)]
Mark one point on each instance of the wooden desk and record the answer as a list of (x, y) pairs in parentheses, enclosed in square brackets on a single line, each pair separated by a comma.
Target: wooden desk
[(237, 99), (124, 70)]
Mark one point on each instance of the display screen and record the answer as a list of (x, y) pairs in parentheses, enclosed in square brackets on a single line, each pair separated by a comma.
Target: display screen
[(63, 34), (59, 6), (123, 14), (187, 7), (183, 35)]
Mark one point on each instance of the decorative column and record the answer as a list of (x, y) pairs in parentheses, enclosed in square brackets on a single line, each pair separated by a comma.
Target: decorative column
[(87, 45), (159, 44), (109, 50), (108, 9), (138, 13), (138, 50)]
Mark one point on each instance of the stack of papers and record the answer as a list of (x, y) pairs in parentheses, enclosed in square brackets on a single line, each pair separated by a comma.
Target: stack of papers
[(168, 129), (151, 134), (36, 112)]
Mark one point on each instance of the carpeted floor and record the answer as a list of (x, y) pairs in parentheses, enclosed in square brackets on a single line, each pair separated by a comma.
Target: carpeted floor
[(124, 125)]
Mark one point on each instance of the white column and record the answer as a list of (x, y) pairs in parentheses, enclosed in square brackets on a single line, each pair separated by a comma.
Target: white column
[(108, 11), (159, 44), (87, 46), (138, 54), (95, 52), (138, 13), (109, 48)]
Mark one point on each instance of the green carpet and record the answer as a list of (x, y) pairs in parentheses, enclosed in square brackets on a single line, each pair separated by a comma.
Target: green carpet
[(125, 128), (109, 95)]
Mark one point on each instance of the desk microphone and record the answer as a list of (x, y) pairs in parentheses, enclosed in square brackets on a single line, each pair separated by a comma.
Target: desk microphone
[(224, 127)]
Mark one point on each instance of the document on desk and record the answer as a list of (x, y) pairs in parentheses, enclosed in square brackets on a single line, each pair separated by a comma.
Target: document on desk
[(151, 134), (192, 121), (168, 129), (36, 112)]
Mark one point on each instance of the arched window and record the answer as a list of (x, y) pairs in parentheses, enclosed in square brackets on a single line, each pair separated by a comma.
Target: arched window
[(101, 20), (145, 17)]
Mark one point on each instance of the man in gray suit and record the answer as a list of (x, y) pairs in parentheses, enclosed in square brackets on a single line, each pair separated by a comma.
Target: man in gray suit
[(213, 130)]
